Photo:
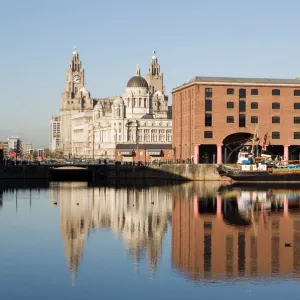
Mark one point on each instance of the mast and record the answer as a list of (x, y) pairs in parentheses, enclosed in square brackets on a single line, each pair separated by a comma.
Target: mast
[(254, 138)]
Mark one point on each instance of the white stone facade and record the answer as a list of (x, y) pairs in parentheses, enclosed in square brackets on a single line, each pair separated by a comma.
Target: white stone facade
[(74, 99), (91, 128)]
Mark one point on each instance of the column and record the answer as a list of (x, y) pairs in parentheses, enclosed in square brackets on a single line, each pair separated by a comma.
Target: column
[(196, 208), (286, 152), (219, 153), (285, 206), (196, 153)]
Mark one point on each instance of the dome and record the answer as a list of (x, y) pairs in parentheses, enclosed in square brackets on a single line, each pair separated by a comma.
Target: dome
[(118, 101), (137, 81)]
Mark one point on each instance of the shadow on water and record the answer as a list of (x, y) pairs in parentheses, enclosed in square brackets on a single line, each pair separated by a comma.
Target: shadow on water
[(117, 183), (6, 184), (138, 183)]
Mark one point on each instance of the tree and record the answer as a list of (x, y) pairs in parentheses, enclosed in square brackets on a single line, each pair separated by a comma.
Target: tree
[(34, 154), (47, 153), (58, 153)]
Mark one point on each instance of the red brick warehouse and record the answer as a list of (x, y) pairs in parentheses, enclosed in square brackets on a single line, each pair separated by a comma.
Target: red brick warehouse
[(213, 115)]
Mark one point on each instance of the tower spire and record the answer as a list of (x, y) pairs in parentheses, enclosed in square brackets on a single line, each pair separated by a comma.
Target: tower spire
[(154, 77), (74, 50), (137, 71), (154, 54)]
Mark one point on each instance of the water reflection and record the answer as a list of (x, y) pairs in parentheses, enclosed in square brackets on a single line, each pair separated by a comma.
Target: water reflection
[(236, 232), (218, 232), (140, 217)]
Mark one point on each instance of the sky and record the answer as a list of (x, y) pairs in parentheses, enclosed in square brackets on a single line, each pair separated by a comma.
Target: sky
[(257, 38)]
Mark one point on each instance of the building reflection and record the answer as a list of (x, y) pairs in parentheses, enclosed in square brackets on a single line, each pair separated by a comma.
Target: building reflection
[(140, 217), (237, 232)]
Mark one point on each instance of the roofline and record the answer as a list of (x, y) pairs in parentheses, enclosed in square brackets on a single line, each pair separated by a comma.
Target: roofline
[(194, 82)]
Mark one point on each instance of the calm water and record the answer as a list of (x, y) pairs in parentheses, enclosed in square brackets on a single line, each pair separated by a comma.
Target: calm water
[(193, 241)]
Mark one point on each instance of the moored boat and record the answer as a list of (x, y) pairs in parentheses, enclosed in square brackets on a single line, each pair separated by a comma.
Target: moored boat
[(262, 171)]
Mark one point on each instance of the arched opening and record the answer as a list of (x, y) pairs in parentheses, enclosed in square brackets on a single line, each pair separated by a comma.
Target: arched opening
[(235, 142), (294, 152)]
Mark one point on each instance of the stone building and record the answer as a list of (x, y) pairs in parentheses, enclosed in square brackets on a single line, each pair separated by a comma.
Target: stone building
[(212, 116), (138, 117), (75, 98), (91, 127), (55, 133)]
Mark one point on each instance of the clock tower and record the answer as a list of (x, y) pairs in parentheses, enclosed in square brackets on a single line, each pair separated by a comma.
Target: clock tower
[(74, 98)]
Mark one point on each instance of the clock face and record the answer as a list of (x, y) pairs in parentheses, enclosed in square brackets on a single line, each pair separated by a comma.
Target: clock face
[(76, 79)]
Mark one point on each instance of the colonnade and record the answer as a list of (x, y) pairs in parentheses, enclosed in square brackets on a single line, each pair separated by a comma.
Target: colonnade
[(219, 153)]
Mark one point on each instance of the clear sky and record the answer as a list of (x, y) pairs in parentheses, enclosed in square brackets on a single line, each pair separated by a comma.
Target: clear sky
[(257, 38)]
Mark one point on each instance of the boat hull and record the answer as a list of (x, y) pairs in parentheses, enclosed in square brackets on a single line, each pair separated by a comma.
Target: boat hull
[(258, 176)]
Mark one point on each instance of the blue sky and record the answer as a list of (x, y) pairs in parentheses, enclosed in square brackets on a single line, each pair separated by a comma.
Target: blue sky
[(210, 38)]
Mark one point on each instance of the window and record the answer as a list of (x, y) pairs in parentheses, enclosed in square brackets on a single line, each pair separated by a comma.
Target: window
[(230, 91), (230, 119), (297, 93), (208, 134), (254, 120), (208, 120), (254, 92), (296, 105), (296, 135), (275, 105), (208, 105), (254, 105), (296, 120), (242, 120), (230, 104), (208, 92), (275, 120), (242, 106), (242, 93), (275, 92), (275, 135)]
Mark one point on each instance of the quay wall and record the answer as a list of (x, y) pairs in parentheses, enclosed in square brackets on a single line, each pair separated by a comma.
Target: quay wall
[(24, 172), (184, 172), (179, 172)]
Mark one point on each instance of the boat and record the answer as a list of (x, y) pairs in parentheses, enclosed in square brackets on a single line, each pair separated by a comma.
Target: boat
[(262, 173), (263, 168)]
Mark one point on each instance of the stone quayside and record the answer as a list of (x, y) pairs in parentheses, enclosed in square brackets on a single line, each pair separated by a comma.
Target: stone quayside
[(179, 172)]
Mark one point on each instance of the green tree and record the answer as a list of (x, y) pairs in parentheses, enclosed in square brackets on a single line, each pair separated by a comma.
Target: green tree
[(34, 154)]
